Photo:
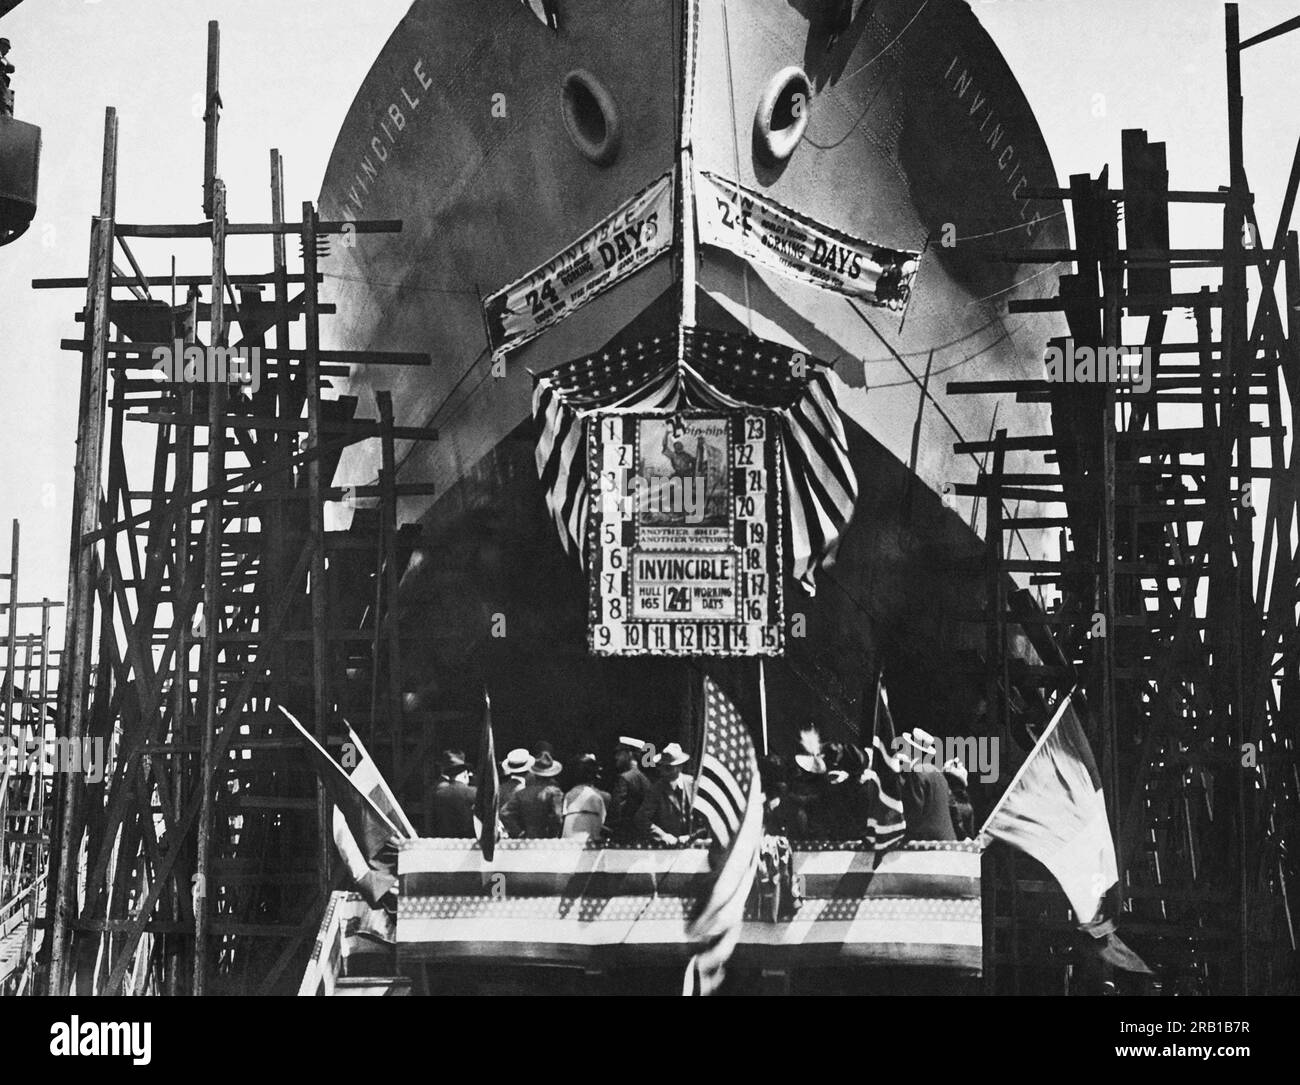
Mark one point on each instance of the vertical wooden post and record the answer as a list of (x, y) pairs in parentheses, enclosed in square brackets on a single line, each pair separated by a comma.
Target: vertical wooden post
[(213, 597), (38, 791), (316, 520), (282, 444), (999, 665), (1237, 361), (1103, 216), (11, 677), (388, 536), (75, 676), (11, 638), (211, 117)]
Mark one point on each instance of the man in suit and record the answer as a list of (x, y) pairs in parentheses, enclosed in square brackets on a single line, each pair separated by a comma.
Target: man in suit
[(665, 815), (630, 790), (453, 798), (959, 804), (810, 789), (783, 814), (514, 774), (925, 792), (534, 810)]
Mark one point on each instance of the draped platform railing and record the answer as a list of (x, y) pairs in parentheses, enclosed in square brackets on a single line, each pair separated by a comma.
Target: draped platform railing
[(568, 902)]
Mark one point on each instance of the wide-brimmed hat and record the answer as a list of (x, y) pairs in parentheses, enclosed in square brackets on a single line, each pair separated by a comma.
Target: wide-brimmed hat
[(673, 755), (921, 741), (545, 765), (452, 761), (517, 762), (811, 760), (626, 743), (956, 770)]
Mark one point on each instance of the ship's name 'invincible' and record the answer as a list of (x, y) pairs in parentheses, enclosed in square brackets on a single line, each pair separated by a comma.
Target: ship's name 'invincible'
[(683, 569)]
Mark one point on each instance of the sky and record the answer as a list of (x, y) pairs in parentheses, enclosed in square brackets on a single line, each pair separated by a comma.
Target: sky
[(1090, 68)]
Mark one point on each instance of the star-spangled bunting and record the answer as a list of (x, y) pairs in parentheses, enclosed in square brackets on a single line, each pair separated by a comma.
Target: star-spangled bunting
[(709, 369)]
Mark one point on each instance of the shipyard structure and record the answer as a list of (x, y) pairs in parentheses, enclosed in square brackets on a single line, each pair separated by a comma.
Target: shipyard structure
[(685, 378)]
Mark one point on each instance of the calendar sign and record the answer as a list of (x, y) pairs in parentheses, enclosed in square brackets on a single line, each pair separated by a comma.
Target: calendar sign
[(685, 533)]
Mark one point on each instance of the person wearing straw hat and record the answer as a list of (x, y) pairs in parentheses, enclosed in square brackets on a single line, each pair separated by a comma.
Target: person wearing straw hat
[(630, 789), (534, 810), (514, 774), (811, 786), (665, 815), (925, 791)]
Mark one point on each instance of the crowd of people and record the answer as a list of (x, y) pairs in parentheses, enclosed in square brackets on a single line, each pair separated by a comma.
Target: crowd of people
[(648, 798), (820, 794), (825, 792)]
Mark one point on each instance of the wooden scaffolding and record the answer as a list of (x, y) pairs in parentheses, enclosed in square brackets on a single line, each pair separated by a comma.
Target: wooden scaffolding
[(28, 761), (203, 593), (1176, 578)]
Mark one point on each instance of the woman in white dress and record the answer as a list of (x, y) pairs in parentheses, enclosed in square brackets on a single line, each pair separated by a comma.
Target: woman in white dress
[(585, 805)]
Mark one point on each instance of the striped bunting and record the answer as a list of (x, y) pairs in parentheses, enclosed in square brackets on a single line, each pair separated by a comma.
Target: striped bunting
[(704, 369), (574, 901), (570, 869)]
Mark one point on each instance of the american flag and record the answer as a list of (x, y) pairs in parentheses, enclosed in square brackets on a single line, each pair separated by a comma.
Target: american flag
[(728, 795), (711, 369), (885, 824), (487, 795)]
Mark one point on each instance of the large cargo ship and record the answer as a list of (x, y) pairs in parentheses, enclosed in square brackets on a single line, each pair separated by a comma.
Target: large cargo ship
[(500, 133)]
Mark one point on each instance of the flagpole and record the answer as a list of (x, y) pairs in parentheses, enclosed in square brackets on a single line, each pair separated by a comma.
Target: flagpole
[(1047, 733), (762, 700)]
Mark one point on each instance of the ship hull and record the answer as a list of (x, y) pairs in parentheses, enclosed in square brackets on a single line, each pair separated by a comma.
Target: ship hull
[(917, 134)]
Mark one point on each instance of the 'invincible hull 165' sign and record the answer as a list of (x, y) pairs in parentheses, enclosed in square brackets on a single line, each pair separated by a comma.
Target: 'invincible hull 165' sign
[(685, 533)]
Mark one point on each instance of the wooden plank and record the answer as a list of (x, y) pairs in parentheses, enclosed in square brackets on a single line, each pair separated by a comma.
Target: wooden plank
[(1119, 194), (1145, 301), (254, 229)]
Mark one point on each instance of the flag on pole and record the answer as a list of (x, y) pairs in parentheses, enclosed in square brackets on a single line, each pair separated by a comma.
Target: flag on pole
[(545, 11), (366, 777), (485, 806), (885, 823), (367, 817), (729, 797), (1055, 811)]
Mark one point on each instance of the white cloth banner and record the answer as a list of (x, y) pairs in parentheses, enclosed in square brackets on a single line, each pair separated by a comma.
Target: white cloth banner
[(621, 244), (765, 233)]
